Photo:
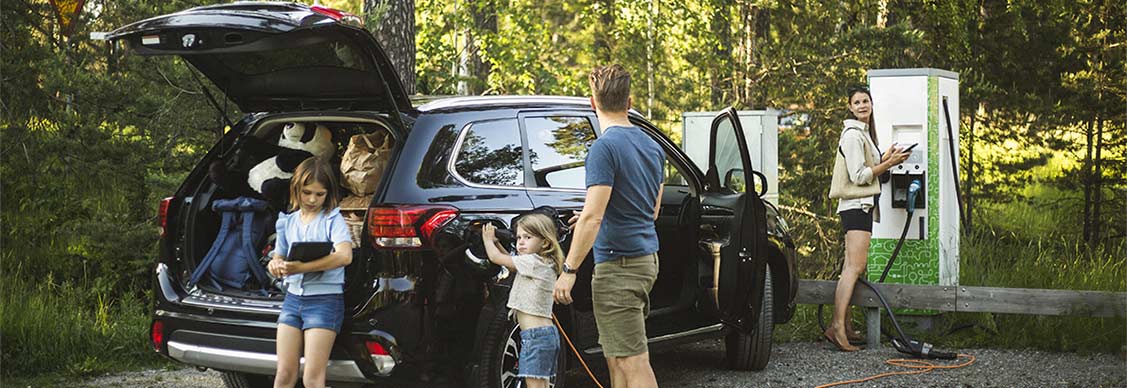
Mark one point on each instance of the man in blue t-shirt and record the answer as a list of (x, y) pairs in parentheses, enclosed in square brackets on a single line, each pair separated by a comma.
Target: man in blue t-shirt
[(624, 182)]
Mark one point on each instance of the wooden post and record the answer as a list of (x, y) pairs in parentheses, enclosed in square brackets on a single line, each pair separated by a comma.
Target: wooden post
[(872, 327)]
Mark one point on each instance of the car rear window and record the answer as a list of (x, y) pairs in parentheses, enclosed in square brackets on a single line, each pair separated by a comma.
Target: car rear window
[(323, 54), (558, 149), (490, 154)]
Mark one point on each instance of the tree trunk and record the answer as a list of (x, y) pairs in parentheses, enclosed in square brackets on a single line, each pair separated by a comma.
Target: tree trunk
[(720, 75), (1086, 178), (755, 27), (1098, 178), (393, 24), (477, 69), (604, 45), (969, 208), (651, 35), (882, 14)]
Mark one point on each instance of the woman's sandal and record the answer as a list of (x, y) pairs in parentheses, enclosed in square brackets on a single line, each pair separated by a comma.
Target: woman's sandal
[(842, 347), (855, 337)]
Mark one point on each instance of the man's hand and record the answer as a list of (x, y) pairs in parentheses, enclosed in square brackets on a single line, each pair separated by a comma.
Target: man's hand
[(564, 283), (574, 218)]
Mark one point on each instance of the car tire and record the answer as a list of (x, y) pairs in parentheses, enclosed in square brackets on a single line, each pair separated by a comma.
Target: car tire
[(500, 346), (246, 380), (752, 351)]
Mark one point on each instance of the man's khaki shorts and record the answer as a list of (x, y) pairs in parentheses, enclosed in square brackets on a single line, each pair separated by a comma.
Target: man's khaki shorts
[(620, 292)]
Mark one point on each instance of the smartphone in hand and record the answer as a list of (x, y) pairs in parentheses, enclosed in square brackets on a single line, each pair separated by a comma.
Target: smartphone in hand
[(909, 148)]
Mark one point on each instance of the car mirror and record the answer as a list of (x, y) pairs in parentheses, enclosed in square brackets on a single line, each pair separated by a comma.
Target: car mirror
[(734, 180)]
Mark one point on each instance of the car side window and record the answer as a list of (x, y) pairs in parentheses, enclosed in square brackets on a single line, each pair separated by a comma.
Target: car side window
[(490, 154), (729, 162), (673, 175), (558, 150)]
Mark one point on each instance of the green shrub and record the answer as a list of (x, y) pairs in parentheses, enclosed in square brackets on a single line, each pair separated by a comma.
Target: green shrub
[(73, 328)]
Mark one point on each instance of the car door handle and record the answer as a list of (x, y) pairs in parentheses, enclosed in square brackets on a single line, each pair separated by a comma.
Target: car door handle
[(711, 210)]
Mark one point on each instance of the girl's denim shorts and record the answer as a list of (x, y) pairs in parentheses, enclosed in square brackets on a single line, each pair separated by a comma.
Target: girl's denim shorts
[(540, 347), (313, 312)]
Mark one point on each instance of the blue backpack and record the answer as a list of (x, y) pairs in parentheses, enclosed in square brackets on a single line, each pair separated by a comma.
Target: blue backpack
[(233, 259)]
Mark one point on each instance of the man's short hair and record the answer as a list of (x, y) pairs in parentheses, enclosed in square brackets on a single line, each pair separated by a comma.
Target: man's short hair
[(611, 87)]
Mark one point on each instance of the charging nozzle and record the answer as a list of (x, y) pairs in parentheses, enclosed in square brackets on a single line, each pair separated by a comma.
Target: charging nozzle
[(913, 188)]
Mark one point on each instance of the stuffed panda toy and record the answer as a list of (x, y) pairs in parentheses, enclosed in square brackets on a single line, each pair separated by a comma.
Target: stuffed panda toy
[(299, 141)]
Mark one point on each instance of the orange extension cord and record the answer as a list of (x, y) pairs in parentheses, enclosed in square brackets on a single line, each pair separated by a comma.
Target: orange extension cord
[(576, 351), (919, 365)]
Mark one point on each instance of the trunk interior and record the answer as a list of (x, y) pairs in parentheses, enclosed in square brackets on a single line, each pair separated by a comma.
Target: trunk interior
[(361, 150)]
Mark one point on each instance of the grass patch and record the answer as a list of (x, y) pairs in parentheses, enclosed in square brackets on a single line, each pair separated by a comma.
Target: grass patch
[(70, 329), (1021, 244)]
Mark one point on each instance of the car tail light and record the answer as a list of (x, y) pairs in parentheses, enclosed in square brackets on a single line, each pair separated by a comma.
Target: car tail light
[(383, 360), (375, 349), (165, 207), (407, 226), (156, 335)]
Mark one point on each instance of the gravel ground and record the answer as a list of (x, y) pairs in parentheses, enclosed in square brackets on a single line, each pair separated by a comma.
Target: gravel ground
[(803, 364)]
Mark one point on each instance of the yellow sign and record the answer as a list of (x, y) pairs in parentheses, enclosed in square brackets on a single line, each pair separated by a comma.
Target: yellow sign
[(67, 11)]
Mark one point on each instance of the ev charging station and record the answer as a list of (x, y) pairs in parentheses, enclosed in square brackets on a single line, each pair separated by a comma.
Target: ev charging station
[(761, 129), (914, 106)]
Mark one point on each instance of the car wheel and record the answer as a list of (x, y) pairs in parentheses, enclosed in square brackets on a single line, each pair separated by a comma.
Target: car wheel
[(246, 380), (500, 359), (752, 351)]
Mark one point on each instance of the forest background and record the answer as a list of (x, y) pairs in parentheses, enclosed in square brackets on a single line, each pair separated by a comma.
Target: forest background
[(92, 137)]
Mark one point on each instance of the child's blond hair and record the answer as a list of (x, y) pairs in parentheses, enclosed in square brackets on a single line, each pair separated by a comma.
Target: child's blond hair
[(544, 227), (314, 169)]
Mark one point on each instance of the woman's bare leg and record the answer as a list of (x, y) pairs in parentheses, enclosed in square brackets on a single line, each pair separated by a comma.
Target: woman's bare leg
[(856, 256)]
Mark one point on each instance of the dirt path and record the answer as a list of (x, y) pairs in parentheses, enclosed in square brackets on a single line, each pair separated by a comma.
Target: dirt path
[(803, 364)]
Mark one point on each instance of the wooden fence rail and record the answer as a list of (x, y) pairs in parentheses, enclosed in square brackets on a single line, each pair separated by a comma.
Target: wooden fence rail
[(969, 299)]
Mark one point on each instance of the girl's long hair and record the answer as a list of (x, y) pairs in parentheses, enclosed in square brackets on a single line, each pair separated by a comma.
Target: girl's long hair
[(314, 169), (542, 226), (872, 114)]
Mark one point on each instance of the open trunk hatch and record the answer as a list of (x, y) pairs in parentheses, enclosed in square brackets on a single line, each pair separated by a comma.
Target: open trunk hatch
[(271, 57)]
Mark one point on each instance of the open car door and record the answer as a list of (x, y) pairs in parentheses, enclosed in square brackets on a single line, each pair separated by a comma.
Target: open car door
[(732, 205)]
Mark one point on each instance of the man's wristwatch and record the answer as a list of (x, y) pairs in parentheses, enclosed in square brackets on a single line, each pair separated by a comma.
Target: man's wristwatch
[(568, 269)]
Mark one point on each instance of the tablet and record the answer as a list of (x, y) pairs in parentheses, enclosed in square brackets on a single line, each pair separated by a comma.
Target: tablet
[(309, 250)]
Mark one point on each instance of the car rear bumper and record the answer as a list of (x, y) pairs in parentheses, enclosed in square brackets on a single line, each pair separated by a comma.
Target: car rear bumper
[(256, 363)]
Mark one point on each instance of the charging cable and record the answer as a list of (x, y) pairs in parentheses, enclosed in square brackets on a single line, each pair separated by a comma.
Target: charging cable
[(576, 351)]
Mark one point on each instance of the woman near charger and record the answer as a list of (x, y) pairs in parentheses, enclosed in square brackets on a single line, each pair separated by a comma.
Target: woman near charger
[(856, 185)]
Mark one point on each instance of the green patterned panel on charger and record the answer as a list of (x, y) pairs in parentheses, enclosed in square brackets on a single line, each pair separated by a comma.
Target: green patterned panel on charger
[(918, 260)]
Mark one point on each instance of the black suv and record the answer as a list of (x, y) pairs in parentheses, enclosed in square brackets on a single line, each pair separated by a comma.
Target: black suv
[(418, 310)]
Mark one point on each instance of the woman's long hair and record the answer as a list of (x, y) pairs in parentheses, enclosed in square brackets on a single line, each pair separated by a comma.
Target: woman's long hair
[(872, 113), (542, 226)]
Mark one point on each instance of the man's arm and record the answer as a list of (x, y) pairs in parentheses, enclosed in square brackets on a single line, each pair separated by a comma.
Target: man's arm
[(583, 237), (657, 206)]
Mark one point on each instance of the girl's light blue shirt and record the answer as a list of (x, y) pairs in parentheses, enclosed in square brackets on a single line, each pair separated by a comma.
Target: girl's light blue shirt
[(324, 227)]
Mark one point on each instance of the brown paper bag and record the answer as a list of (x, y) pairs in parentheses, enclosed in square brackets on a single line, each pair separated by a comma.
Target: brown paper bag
[(364, 162)]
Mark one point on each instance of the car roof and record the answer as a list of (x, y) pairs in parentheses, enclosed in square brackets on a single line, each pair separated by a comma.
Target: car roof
[(434, 104)]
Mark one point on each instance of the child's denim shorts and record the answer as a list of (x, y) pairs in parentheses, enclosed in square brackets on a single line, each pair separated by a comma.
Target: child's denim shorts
[(313, 312), (540, 347)]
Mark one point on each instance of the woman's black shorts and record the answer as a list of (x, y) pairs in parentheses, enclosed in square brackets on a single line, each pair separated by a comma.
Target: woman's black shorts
[(857, 219)]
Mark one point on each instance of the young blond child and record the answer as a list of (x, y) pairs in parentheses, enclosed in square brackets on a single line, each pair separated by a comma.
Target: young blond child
[(537, 264), (313, 310)]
